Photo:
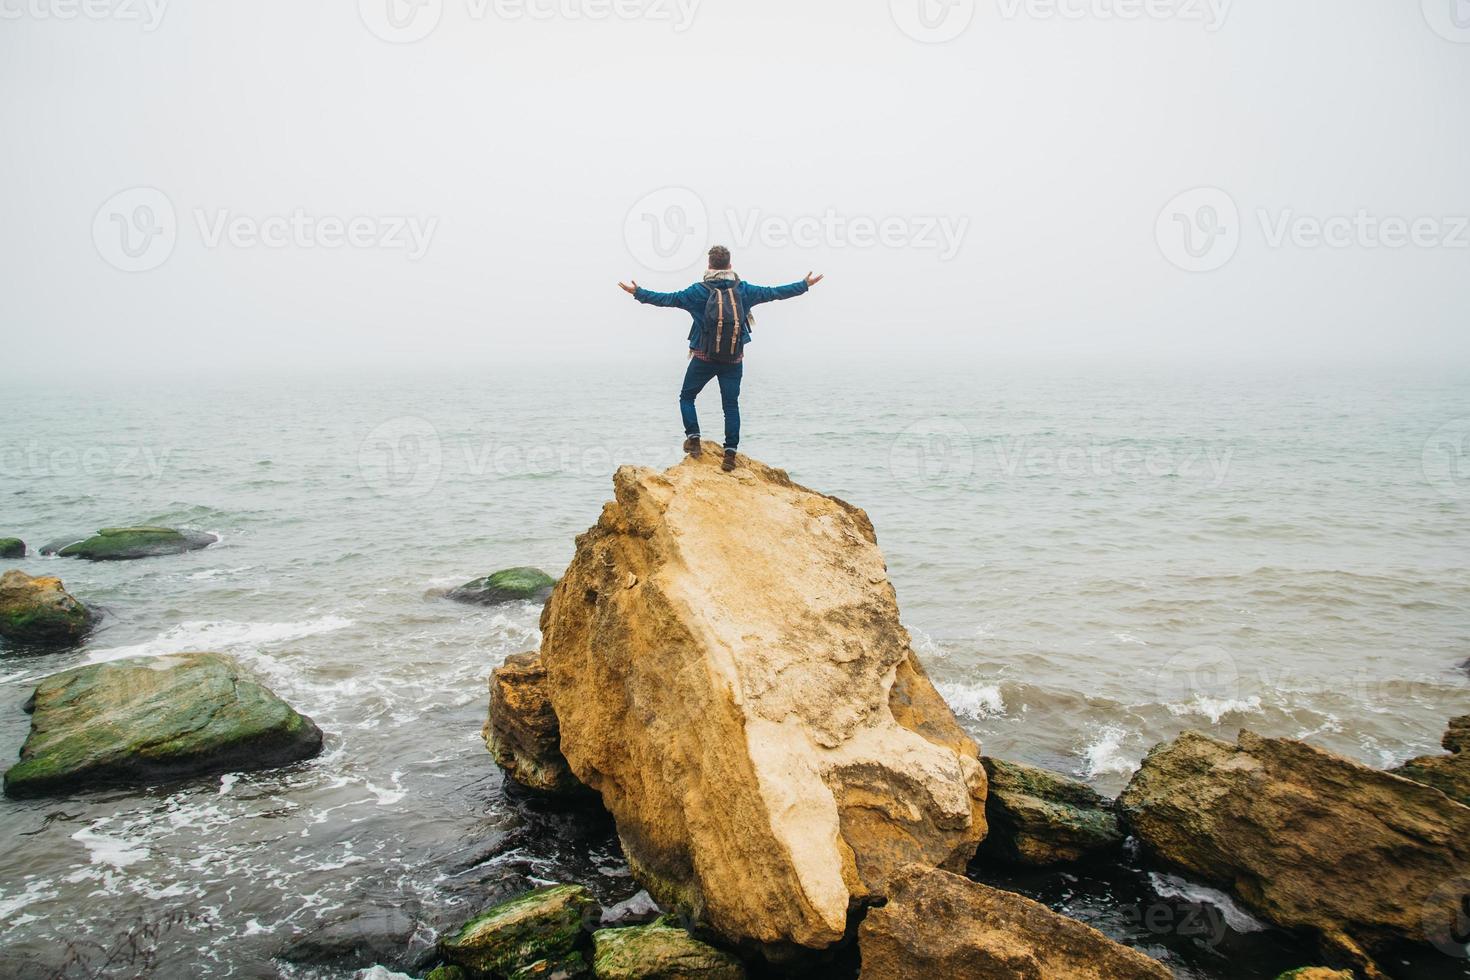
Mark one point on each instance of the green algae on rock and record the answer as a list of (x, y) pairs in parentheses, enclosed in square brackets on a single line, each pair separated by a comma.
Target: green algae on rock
[(147, 719), (124, 543), (40, 611), (12, 548), (1038, 817), (659, 952), (549, 924), (506, 585)]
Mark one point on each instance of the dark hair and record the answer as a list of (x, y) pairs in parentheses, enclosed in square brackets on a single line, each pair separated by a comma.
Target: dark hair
[(719, 258)]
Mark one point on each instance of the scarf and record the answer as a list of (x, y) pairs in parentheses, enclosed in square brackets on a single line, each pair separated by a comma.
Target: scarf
[(728, 275)]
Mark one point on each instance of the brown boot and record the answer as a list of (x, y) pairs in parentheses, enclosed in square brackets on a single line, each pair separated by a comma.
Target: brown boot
[(729, 463), (692, 447)]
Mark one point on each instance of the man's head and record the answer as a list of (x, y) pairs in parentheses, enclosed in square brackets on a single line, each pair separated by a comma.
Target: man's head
[(719, 258)]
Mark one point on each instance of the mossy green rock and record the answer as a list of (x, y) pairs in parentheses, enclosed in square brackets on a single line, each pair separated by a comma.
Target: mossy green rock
[(659, 952), (568, 967), (1316, 973), (445, 973), (40, 611), (545, 924), (147, 719), (123, 543), (12, 548), (508, 585), (1038, 817)]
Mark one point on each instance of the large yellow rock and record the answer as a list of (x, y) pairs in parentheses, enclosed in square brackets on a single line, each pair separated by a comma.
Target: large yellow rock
[(726, 660)]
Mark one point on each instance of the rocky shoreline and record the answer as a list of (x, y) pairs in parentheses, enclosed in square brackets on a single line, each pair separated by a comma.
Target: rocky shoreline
[(723, 678)]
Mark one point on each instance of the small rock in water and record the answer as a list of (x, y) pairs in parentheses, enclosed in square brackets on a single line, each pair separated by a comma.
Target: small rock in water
[(659, 950), (40, 611), (124, 543), (548, 929), (508, 585), (1316, 973), (1038, 817), (12, 548), (147, 719), (375, 933), (522, 732)]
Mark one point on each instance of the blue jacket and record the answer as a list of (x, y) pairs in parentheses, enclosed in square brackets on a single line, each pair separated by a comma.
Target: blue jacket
[(692, 301)]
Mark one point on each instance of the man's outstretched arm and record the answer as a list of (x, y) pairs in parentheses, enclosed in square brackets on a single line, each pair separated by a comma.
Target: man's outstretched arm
[(755, 295), (680, 299)]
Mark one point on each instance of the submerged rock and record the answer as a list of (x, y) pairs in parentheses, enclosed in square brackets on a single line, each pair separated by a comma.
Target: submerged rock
[(376, 932), (937, 924), (1304, 838), (122, 543), (40, 611), (146, 719), (726, 662), (54, 546), (1450, 774), (509, 585), (659, 952), (12, 548), (546, 930), (522, 732), (1038, 817)]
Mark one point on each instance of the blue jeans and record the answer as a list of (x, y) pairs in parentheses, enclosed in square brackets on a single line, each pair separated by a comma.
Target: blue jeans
[(695, 378)]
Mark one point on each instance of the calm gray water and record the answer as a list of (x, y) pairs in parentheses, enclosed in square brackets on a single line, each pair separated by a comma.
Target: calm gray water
[(1088, 563)]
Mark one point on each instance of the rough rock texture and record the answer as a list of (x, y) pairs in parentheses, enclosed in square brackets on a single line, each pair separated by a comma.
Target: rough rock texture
[(12, 548), (509, 585), (121, 543), (522, 732), (40, 611), (1038, 817), (659, 952), (1450, 774), (146, 719), (726, 660), (1305, 838), (938, 924), (539, 931), (1316, 973)]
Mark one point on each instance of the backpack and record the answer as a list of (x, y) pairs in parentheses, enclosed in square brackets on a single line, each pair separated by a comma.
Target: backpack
[(724, 322)]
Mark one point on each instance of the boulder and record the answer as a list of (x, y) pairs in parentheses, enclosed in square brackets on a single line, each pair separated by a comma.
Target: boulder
[(374, 932), (445, 972), (146, 719), (54, 546), (1450, 774), (1038, 817), (509, 585), (122, 543), (726, 662), (937, 924), (522, 732), (1316, 973), (12, 548), (659, 952), (40, 611), (1305, 838), (544, 931)]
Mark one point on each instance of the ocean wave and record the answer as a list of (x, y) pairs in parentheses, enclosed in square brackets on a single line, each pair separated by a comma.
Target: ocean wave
[(1105, 754), (1215, 708), (221, 636), (1172, 886), (976, 702)]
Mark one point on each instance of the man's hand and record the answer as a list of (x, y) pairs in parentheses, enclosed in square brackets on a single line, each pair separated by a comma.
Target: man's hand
[(812, 280), (630, 290)]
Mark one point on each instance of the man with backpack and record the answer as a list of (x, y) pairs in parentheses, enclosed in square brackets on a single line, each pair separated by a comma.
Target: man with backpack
[(720, 305)]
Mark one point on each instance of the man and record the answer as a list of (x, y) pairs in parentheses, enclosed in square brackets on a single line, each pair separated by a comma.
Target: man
[(716, 351)]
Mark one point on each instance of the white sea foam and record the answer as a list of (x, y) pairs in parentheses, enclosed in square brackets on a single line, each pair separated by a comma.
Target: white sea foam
[(1172, 886), (1215, 708), (973, 701), (106, 850), (1105, 754), (36, 890), (221, 636)]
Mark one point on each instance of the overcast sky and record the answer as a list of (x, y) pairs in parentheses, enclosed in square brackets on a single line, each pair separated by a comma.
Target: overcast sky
[(463, 182)]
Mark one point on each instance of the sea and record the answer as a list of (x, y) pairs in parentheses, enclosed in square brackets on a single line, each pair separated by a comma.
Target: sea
[(1089, 561)]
